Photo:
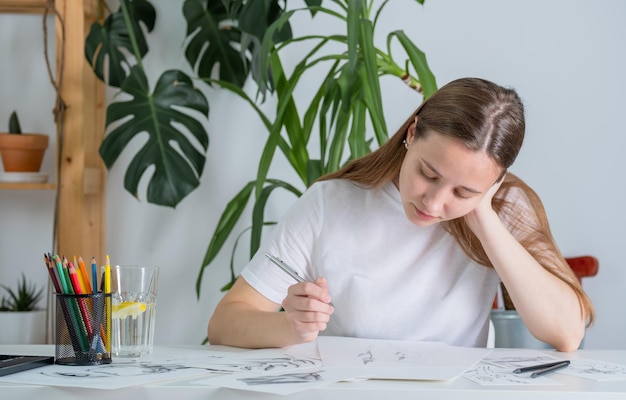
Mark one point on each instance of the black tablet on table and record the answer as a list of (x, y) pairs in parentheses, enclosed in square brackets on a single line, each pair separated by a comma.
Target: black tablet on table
[(10, 364)]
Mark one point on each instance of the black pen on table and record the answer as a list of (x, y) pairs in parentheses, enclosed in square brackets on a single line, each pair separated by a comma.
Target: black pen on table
[(285, 267), (542, 368)]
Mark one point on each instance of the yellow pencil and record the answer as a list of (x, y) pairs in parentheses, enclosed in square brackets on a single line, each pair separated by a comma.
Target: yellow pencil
[(107, 290)]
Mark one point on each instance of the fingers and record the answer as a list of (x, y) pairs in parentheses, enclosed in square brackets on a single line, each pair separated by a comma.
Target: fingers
[(307, 308)]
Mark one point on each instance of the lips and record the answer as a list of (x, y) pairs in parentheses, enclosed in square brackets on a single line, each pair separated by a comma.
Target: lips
[(422, 215)]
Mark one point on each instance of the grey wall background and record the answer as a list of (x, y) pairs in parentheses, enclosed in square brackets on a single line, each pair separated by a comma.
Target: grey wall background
[(565, 58)]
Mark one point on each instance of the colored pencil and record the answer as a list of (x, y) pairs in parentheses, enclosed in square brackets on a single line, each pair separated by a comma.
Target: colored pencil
[(94, 274), (108, 308), (84, 274), (69, 309)]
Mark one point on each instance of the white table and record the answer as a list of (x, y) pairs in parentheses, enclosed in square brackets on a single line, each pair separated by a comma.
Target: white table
[(461, 388)]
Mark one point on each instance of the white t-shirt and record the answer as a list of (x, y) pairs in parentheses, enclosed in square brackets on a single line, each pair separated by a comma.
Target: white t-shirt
[(388, 278)]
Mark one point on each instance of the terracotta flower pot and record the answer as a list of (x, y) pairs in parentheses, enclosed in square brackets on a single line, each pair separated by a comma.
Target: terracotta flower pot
[(22, 152)]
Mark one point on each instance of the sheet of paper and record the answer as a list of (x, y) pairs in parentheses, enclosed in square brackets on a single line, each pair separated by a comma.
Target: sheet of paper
[(168, 364), (497, 368), (279, 371), (491, 375), (519, 358), (396, 359), (262, 361), (283, 383), (596, 370)]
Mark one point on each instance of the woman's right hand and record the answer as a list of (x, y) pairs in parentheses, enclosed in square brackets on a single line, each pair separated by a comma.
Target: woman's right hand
[(308, 309)]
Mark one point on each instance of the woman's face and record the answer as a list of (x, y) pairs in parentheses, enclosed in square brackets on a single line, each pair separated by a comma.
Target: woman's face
[(441, 179)]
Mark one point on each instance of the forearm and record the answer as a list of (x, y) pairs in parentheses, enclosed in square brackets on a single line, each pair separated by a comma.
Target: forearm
[(548, 306), (236, 324)]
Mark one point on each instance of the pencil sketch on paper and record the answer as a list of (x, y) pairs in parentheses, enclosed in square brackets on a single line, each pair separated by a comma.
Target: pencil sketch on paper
[(266, 364), (117, 369), (596, 370), (389, 353), (516, 359), (367, 357), (486, 374), (291, 377)]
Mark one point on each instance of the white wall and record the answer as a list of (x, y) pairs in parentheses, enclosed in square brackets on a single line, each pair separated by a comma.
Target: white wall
[(565, 58)]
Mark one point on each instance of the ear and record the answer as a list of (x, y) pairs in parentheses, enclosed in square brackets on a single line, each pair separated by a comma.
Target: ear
[(410, 132)]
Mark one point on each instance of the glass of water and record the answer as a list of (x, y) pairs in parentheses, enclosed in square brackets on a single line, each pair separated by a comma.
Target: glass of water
[(134, 298)]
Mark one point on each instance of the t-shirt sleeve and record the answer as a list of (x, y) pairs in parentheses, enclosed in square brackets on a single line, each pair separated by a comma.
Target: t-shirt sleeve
[(292, 240)]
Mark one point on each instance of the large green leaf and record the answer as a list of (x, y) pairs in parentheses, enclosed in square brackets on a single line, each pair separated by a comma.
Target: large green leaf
[(105, 45), (228, 219), (418, 60), (177, 161), (209, 43), (258, 218), (256, 16)]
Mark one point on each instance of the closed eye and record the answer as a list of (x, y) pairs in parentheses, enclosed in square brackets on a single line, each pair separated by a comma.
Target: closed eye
[(430, 177), (460, 195)]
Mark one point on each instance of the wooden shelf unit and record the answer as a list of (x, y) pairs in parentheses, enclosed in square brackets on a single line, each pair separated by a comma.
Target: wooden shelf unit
[(81, 172)]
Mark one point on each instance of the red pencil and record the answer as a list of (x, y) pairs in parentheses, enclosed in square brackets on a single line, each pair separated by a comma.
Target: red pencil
[(81, 302)]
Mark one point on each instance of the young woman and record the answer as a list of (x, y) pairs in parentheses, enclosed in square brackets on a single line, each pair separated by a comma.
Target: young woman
[(410, 241)]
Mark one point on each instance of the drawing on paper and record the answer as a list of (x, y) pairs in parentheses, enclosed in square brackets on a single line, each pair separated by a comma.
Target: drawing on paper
[(367, 357), (117, 369), (267, 364), (489, 375), (389, 353), (514, 361), (292, 377), (597, 370)]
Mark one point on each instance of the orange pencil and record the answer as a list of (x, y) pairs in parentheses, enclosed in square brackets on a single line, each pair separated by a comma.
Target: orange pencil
[(79, 274), (85, 275)]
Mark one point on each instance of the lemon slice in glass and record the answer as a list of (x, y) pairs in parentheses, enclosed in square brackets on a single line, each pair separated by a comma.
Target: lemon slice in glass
[(128, 308)]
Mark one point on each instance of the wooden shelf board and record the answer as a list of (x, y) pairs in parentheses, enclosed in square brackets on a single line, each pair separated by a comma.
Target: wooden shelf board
[(23, 6), (27, 186)]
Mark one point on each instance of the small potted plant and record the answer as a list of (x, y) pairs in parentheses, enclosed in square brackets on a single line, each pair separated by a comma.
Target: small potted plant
[(21, 152), (21, 320)]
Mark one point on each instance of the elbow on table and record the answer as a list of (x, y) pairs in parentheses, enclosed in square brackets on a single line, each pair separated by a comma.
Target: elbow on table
[(212, 332), (569, 341), (568, 345)]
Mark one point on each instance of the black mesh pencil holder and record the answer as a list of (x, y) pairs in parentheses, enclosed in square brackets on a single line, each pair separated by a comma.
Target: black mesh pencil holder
[(83, 326)]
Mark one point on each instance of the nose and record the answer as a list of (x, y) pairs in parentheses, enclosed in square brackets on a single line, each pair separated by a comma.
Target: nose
[(434, 200)]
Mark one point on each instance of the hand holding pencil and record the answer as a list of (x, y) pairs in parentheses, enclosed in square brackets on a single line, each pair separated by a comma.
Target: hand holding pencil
[(307, 318)]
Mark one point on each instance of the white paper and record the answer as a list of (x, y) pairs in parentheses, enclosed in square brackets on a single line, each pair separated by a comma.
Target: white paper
[(398, 359), (491, 375), (519, 358), (284, 383), (596, 370), (262, 361), (170, 363), (279, 371)]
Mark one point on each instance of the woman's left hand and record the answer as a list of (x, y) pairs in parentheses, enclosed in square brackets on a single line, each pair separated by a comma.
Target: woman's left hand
[(484, 210)]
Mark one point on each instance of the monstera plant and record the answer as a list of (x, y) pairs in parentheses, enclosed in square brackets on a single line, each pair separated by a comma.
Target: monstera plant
[(242, 38), (174, 111)]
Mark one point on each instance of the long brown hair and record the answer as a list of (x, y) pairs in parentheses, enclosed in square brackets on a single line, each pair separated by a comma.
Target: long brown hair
[(487, 118)]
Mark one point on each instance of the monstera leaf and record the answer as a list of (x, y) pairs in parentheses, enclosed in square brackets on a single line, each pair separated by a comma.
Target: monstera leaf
[(209, 44), (178, 161), (105, 43), (227, 35)]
